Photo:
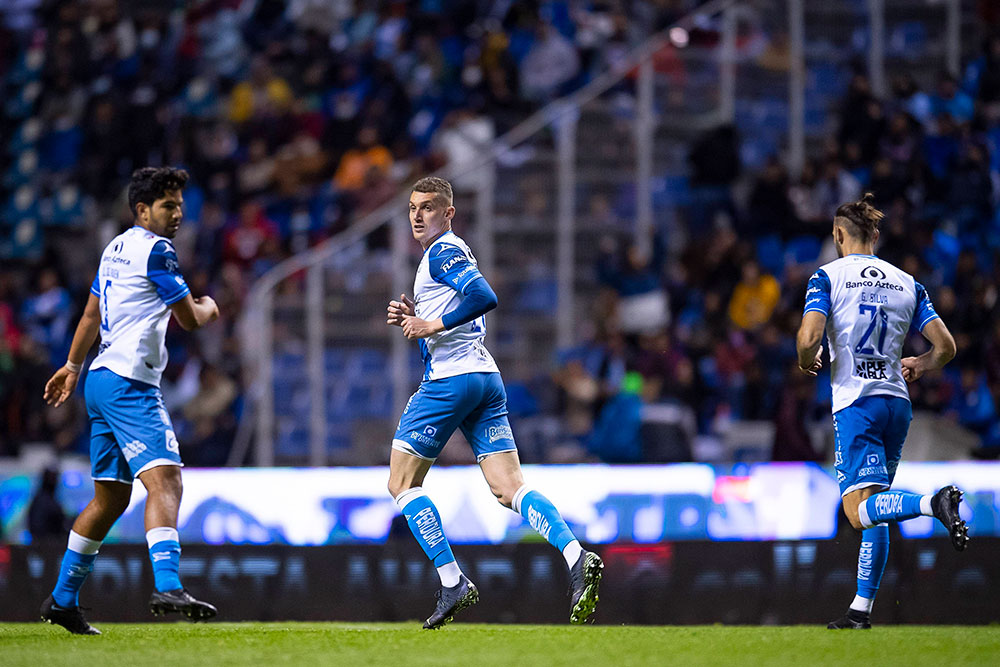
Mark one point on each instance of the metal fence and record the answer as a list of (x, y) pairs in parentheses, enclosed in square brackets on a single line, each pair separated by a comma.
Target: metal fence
[(327, 377)]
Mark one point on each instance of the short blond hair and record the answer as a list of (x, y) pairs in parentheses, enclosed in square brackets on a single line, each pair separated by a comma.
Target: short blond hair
[(437, 186)]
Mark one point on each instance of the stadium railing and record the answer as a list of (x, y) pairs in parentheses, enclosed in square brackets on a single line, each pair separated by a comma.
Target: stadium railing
[(326, 375)]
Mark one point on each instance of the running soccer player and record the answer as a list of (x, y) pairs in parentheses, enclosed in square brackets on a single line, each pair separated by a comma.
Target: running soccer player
[(462, 388), (136, 289), (867, 306)]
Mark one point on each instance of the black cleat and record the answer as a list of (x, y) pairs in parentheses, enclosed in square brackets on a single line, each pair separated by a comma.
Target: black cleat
[(852, 620), (945, 504), (181, 601), (69, 617), (450, 601), (584, 581)]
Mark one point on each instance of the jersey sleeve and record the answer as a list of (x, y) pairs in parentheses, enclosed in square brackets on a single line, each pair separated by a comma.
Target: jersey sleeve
[(818, 294), (924, 312), (95, 287), (450, 266), (163, 270)]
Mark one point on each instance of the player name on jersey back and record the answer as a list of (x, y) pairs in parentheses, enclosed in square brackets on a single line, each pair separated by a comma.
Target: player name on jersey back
[(870, 306), (137, 281)]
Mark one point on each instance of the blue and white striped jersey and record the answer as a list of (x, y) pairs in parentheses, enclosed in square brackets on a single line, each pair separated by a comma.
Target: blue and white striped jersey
[(870, 305), (445, 272), (137, 281)]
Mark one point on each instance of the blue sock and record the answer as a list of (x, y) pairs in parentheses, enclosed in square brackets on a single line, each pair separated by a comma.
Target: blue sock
[(165, 554), (77, 562), (889, 506), (871, 560), (543, 516), (425, 524)]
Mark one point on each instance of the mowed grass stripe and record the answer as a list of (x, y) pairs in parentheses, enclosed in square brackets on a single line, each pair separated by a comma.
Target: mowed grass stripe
[(405, 645)]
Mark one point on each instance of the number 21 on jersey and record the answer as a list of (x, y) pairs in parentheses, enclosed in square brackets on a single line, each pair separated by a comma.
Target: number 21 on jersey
[(879, 320)]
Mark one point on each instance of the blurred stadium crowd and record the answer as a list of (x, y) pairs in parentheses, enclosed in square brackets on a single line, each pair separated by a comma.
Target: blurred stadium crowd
[(297, 117)]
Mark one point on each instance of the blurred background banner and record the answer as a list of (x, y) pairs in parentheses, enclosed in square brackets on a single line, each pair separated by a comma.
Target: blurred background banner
[(925, 581), (602, 504)]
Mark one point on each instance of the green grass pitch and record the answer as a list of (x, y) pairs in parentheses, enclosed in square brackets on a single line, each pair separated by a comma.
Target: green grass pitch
[(406, 645)]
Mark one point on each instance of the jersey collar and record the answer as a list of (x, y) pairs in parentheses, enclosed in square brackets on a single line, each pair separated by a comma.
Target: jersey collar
[(438, 240)]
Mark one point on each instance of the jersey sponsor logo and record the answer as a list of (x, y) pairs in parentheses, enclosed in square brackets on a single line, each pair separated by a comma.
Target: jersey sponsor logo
[(170, 265), (880, 284), (450, 263), (871, 369), (428, 527), (495, 433), (133, 449), (109, 272), (873, 272)]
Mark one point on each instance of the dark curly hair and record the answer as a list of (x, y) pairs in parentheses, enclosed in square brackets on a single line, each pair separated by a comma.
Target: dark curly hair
[(151, 183), (860, 218)]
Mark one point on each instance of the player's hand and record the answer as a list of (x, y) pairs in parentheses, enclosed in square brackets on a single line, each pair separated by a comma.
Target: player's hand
[(414, 327), (60, 386), (397, 310), (209, 302), (816, 364), (912, 369)]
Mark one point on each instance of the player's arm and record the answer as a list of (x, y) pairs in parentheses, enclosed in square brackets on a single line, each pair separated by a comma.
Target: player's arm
[(942, 351), (61, 385), (162, 268), (808, 342), (929, 323), (814, 315), (193, 313)]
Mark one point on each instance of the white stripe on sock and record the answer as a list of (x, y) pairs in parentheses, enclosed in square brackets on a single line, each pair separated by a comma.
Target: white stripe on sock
[(157, 535), (572, 552), (404, 499), (82, 545), (518, 497), (862, 604), (863, 515), (450, 574), (925, 506)]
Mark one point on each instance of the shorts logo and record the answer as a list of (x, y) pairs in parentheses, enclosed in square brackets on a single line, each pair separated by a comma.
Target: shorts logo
[(133, 449), (873, 459), (430, 430), (421, 438), (495, 433), (172, 444), (838, 458)]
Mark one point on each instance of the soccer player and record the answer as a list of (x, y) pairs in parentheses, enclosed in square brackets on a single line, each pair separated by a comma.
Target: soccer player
[(462, 388), (867, 306), (136, 289)]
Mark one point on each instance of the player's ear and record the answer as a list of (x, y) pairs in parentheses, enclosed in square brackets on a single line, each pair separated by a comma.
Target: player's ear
[(141, 211), (449, 212)]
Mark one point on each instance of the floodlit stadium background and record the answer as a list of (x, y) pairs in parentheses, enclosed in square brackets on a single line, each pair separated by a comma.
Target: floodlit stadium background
[(647, 185)]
